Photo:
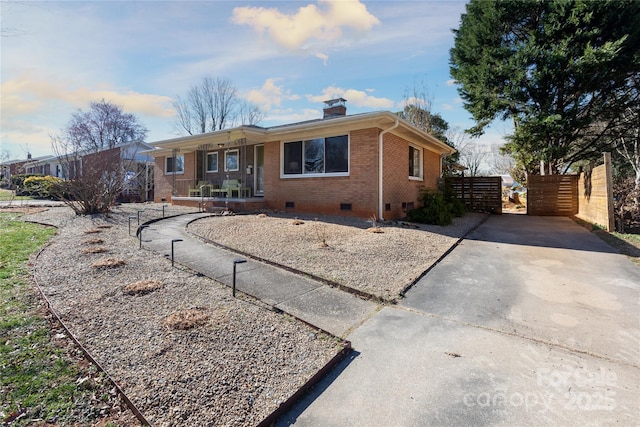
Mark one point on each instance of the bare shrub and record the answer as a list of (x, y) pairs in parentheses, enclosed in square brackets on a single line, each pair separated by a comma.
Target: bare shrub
[(321, 233), (186, 319), (142, 287), (373, 219), (95, 250), (109, 263)]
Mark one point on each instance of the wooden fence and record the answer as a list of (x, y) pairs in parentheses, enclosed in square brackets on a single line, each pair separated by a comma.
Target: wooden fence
[(478, 193), (552, 195), (595, 195)]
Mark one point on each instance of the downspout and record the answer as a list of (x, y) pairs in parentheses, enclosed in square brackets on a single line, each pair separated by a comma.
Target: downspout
[(381, 170)]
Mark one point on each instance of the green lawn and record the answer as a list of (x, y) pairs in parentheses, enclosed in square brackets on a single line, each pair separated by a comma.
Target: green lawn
[(42, 377), (8, 195)]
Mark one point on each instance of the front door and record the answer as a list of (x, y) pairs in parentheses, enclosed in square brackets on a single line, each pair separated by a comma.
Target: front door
[(259, 175)]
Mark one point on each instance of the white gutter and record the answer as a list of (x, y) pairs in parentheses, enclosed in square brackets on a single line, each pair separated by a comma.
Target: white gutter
[(381, 170)]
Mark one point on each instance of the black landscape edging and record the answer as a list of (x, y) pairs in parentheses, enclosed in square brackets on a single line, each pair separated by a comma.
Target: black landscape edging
[(361, 294), (286, 406), (315, 379), (88, 355)]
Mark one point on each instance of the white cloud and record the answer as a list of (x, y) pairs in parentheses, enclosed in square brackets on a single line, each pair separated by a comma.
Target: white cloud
[(29, 95), (354, 97), (269, 94), (325, 23), (292, 116), (457, 100), (451, 82), (33, 109), (323, 57), (447, 107)]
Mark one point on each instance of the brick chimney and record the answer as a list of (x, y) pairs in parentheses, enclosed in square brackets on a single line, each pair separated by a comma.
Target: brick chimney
[(335, 108)]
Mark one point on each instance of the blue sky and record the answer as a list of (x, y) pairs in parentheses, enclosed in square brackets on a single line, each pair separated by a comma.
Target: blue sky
[(286, 57)]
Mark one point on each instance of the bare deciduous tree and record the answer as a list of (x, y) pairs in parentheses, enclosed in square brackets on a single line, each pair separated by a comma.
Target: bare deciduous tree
[(472, 157), (417, 107), (213, 104), (96, 152), (627, 144), (504, 164)]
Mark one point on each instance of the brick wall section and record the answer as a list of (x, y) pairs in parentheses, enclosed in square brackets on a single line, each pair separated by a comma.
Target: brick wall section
[(103, 160), (163, 183), (398, 188), (594, 198), (360, 189), (325, 195)]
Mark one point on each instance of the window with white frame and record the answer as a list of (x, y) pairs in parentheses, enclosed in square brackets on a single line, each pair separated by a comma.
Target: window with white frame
[(212, 162), (319, 156), (231, 161), (415, 162), (174, 165)]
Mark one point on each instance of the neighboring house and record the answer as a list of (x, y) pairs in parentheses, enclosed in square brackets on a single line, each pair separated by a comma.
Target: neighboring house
[(47, 165), (139, 177), (366, 165), (21, 166)]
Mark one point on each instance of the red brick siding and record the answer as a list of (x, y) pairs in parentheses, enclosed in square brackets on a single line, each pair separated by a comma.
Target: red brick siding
[(101, 161), (324, 195), (398, 188), (163, 183)]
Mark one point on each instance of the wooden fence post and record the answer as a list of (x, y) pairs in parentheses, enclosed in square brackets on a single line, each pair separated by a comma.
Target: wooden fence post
[(609, 183)]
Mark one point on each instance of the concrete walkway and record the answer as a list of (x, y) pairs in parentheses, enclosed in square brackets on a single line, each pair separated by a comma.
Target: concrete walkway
[(327, 308), (529, 321)]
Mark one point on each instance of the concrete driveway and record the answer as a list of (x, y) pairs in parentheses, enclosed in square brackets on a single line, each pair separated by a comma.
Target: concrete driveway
[(529, 321)]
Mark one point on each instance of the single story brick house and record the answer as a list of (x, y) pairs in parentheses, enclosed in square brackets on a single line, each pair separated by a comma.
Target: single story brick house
[(359, 165)]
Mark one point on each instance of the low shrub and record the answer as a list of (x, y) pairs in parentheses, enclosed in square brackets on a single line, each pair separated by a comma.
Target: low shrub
[(438, 207), (38, 186)]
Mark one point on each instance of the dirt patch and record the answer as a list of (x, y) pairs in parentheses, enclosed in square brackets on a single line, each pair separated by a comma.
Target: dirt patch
[(186, 319)]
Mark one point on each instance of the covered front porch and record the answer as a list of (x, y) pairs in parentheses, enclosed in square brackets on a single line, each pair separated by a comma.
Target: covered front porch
[(219, 169), (210, 204)]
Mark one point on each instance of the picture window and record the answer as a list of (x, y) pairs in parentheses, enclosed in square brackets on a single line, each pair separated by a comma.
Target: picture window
[(318, 156)]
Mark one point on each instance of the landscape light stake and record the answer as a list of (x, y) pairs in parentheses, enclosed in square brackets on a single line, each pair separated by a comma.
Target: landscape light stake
[(139, 232), (130, 218), (172, 242), (236, 262)]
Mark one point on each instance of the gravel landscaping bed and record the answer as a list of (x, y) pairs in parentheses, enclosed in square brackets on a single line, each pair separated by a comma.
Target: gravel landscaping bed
[(381, 260), (183, 350)]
